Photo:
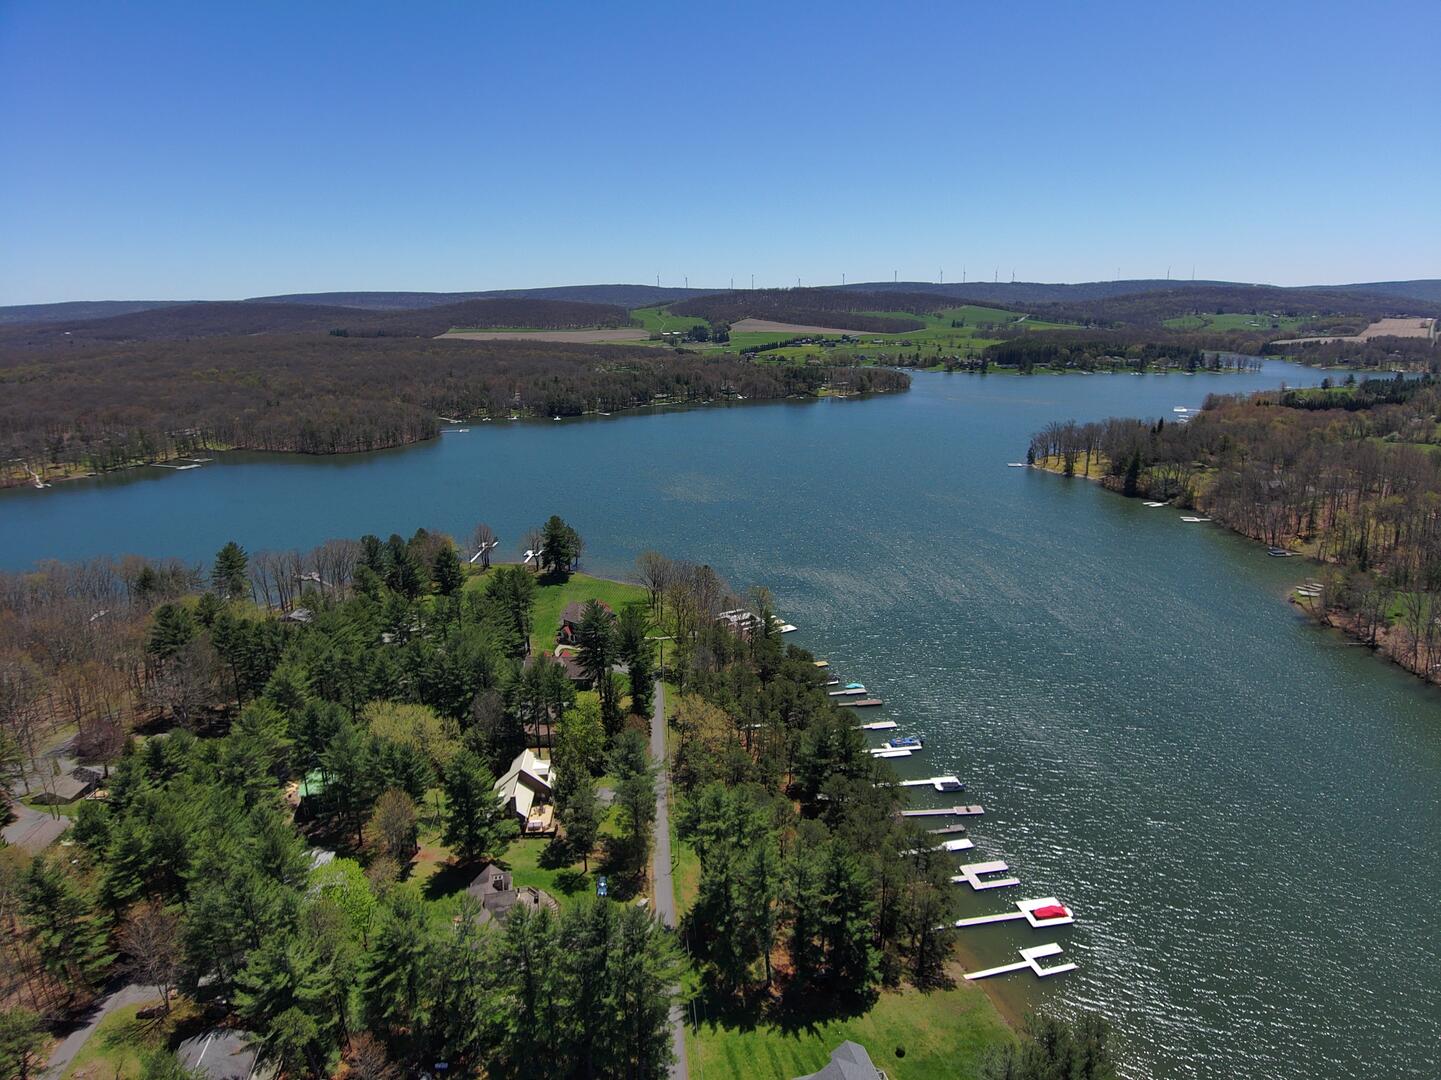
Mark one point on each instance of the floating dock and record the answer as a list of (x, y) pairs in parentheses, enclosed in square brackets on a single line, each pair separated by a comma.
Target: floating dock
[(879, 725), (981, 876), (946, 830), (940, 783), (1025, 909), (821, 663), (945, 811), (1029, 958), (1152, 504), (848, 691), (1194, 519), (861, 703), (887, 752)]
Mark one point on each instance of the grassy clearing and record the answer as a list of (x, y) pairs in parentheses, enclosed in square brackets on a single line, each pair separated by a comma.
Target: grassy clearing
[(115, 1049), (942, 1033), (552, 596), (659, 320), (1234, 321)]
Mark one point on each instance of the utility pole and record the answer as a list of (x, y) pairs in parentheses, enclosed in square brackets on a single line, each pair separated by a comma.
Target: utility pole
[(753, 282), (895, 276)]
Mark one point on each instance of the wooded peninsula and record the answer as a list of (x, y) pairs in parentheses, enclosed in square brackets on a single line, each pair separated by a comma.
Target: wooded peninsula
[(1348, 473)]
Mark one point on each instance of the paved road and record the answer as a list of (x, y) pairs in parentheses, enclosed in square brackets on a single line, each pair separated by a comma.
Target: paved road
[(34, 830), (130, 994), (661, 867)]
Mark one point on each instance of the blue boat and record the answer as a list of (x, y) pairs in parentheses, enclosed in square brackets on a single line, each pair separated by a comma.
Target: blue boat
[(905, 742)]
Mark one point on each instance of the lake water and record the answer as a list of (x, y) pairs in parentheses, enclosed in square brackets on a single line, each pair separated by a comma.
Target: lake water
[(1241, 808)]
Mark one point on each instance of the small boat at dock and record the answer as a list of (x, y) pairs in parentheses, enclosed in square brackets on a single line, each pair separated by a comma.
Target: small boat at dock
[(906, 742)]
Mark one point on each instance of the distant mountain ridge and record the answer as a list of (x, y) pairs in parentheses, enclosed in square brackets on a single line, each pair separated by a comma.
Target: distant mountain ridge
[(1019, 294)]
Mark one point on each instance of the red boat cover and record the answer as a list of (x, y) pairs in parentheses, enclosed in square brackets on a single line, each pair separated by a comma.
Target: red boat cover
[(1050, 911)]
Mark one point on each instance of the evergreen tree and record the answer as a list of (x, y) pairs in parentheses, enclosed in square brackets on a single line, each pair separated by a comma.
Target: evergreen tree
[(446, 571), (70, 936), (228, 575), (580, 816), (171, 631), (22, 1044), (637, 652), (285, 994), (560, 546), (595, 640), (349, 767), (396, 981), (527, 1034), (461, 1002), (477, 824), (634, 793), (1052, 1047), (845, 924)]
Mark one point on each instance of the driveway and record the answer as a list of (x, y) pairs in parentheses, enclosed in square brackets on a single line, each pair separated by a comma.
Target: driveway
[(34, 830), (661, 865), (130, 994)]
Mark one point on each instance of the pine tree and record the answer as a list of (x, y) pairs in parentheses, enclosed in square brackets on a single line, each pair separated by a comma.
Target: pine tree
[(595, 640), (477, 824), (72, 939), (580, 816), (395, 984), (285, 993), (172, 630), (446, 572), (228, 575), (22, 1044)]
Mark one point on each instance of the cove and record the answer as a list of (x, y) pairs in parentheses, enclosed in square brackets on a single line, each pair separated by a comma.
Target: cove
[(1241, 808)]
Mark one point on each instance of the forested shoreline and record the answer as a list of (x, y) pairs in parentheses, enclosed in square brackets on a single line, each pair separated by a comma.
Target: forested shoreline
[(297, 756), (93, 407), (1348, 474)]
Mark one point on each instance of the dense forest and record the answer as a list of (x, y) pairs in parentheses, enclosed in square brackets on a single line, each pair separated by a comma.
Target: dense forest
[(1349, 474), (1376, 354), (95, 406), (839, 308), (1113, 351), (226, 319), (1153, 307)]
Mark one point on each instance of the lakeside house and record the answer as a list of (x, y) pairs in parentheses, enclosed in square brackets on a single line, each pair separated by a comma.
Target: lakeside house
[(527, 791), (498, 895), (849, 1061), (571, 617)]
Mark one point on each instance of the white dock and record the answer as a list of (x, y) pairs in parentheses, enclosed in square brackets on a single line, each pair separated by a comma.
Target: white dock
[(821, 663), (1194, 519), (1025, 909), (980, 876), (885, 752), (1017, 465), (1029, 958), (848, 692), (951, 845), (1153, 505), (940, 783), (946, 811), (878, 725)]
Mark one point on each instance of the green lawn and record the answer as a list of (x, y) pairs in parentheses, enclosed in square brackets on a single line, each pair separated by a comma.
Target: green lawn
[(115, 1049), (1234, 321), (659, 320), (553, 596), (945, 1033)]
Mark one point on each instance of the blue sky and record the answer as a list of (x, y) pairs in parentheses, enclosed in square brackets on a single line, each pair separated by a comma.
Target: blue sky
[(157, 150)]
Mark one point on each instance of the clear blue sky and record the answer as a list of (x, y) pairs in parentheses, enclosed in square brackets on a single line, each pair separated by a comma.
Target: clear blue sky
[(195, 149)]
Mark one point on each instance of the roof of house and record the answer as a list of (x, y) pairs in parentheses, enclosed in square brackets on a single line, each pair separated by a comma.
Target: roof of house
[(68, 786), (575, 611), (221, 1054), (497, 893), (527, 777), (849, 1061)]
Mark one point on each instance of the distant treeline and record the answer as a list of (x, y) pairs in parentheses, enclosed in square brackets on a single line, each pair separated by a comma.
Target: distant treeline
[(1380, 353), (1063, 350), (1151, 308), (97, 407), (837, 308), (1350, 474), (227, 319)]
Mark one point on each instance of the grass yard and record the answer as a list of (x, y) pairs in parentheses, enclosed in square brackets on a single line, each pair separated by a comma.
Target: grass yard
[(659, 320), (944, 1034), (553, 596), (115, 1050)]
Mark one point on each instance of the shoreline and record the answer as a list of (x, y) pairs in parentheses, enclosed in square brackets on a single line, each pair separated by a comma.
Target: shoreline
[(1338, 619), (14, 482)]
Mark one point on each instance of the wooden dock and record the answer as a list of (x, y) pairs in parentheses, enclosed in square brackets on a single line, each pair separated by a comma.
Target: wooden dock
[(946, 830), (862, 703), (945, 811)]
